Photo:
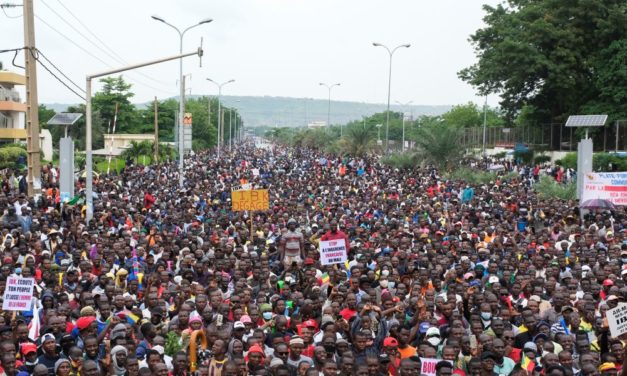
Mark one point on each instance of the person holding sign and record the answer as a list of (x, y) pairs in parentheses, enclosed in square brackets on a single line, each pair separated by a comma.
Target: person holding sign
[(292, 245)]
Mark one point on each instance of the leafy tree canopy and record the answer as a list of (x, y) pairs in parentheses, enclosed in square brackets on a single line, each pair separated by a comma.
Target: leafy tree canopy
[(555, 57)]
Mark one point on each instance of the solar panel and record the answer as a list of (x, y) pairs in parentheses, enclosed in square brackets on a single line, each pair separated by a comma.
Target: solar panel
[(586, 120), (64, 118)]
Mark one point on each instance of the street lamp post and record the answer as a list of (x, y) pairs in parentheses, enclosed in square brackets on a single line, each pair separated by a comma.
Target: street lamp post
[(182, 91), (404, 105), (378, 133), (219, 107), (485, 121), (329, 87), (387, 123)]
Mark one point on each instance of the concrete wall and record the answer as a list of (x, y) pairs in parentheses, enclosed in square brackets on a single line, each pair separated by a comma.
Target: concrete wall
[(555, 155), (45, 144), (123, 141)]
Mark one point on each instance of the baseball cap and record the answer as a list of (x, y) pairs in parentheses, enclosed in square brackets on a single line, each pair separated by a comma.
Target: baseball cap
[(84, 322), (310, 324), (488, 355), (47, 337), (245, 319), (530, 346), (239, 325), (608, 282), (432, 332), (390, 341), (309, 261), (28, 348)]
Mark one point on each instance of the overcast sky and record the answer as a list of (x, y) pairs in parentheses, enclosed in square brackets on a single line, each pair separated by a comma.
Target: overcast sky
[(270, 47)]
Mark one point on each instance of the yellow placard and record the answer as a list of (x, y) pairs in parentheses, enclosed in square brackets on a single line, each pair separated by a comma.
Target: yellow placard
[(252, 199)]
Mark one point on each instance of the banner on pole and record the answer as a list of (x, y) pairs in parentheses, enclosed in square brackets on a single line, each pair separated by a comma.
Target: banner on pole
[(610, 186), (18, 294), (333, 252), (253, 199)]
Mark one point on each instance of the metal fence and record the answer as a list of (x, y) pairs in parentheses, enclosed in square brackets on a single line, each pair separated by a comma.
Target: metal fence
[(550, 137)]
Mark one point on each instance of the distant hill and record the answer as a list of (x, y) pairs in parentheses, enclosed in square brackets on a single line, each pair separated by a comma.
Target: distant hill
[(290, 112)]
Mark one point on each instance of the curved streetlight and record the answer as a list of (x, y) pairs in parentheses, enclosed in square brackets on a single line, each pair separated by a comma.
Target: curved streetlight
[(404, 105), (219, 85), (387, 123), (182, 91), (329, 87)]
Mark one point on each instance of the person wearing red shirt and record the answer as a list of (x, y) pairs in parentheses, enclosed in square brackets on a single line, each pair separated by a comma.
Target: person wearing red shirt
[(350, 309), (333, 233)]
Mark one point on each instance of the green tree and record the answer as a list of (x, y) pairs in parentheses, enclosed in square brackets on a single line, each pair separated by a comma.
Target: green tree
[(358, 140), (138, 149), (116, 91), (552, 56), (45, 114), (77, 131), (440, 146)]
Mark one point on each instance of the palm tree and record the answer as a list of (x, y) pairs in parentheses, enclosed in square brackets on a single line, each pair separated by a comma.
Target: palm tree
[(137, 149), (440, 146), (357, 141)]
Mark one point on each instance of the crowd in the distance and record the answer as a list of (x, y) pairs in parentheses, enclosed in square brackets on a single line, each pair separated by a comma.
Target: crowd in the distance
[(442, 277)]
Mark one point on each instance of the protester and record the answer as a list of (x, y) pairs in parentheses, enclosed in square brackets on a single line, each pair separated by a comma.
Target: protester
[(441, 276)]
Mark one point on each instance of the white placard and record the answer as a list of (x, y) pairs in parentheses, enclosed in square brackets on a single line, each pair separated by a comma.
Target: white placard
[(428, 366), (617, 320), (18, 294), (611, 186), (333, 252), (255, 172)]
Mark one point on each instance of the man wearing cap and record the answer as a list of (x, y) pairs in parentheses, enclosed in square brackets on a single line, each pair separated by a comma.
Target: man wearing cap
[(29, 354), (50, 353), (297, 346)]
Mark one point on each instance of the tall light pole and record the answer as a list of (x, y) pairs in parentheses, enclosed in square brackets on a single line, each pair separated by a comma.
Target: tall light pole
[(387, 123), (329, 87), (219, 85), (404, 105), (182, 91)]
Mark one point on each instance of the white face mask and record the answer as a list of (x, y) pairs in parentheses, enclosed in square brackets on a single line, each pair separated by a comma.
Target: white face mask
[(385, 273), (486, 315), (391, 284), (383, 284), (433, 340)]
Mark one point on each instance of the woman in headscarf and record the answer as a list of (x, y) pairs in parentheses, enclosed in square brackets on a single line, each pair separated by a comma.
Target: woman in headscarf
[(236, 349), (62, 367), (118, 360)]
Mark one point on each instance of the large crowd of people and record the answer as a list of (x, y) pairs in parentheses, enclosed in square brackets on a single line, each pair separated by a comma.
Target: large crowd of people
[(442, 277)]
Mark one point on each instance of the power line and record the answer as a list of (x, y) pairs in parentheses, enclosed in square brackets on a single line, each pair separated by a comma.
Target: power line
[(59, 70), (8, 5), (93, 55), (106, 50), (55, 76)]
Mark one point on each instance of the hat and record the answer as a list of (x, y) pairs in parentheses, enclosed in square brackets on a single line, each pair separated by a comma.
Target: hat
[(612, 297), (390, 341), (296, 340), (245, 319), (493, 279), (488, 355), (159, 349), (469, 276), (84, 322), (28, 348), (326, 319), (567, 308), (384, 358), (424, 326), (59, 362), (474, 283), (607, 366), (530, 346), (87, 311), (47, 337), (535, 298), (608, 282), (432, 332), (239, 325), (310, 324), (566, 274), (309, 261), (276, 362)]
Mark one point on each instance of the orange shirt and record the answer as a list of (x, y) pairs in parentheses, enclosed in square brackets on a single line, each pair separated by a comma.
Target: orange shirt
[(407, 352)]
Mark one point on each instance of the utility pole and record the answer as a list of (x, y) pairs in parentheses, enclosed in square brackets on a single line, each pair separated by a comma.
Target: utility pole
[(32, 106), (221, 130), (156, 106)]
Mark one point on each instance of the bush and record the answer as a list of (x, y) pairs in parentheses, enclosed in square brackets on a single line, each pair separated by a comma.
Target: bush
[(600, 162), (569, 161), (402, 161), (525, 156), (548, 188), (10, 155), (500, 155), (472, 176), (540, 159)]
